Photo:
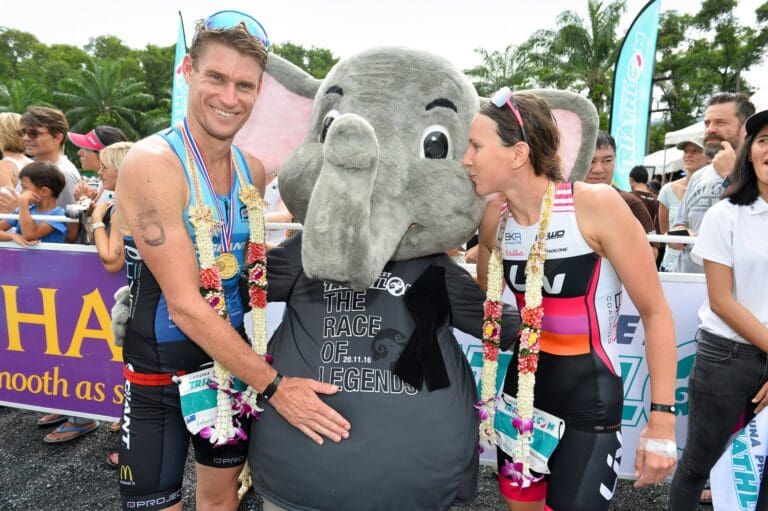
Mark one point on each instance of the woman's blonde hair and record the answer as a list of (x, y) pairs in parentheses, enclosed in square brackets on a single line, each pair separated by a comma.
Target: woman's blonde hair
[(112, 155), (10, 140)]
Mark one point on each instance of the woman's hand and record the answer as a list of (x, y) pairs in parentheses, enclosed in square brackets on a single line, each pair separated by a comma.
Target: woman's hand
[(761, 398), (656, 454), (83, 190), (99, 210)]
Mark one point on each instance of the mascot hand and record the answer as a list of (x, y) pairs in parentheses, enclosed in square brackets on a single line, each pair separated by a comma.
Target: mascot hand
[(120, 313)]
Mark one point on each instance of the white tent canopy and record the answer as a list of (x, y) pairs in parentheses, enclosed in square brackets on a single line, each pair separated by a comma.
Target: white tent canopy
[(664, 161), (687, 133)]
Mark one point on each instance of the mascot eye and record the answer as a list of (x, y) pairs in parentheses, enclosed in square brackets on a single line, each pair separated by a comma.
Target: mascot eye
[(435, 143), (327, 121)]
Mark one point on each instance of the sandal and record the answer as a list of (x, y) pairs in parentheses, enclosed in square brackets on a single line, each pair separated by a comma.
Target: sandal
[(51, 419), (113, 460), (68, 431)]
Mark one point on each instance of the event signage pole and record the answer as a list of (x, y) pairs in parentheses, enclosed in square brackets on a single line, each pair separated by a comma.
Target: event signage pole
[(632, 89), (180, 87)]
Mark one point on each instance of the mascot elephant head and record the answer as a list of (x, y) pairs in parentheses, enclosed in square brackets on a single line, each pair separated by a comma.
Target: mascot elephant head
[(378, 175)]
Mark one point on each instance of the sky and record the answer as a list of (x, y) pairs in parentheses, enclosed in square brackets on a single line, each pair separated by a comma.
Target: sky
[(451, 29)]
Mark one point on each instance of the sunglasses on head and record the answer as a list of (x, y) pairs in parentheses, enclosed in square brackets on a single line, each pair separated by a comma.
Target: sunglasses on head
[(503, 97), (223, 20), (31, 132)]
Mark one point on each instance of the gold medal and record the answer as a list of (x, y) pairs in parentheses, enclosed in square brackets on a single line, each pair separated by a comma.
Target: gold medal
[(227, 264)]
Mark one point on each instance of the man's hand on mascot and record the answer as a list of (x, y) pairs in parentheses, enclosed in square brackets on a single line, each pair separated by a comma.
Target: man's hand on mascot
[(296, 399)]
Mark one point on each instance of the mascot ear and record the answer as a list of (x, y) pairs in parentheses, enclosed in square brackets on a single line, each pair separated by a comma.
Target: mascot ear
[(578, 123), (280, 119)]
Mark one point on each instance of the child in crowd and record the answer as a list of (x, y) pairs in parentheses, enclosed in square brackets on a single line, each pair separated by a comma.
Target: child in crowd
[(41, 184)]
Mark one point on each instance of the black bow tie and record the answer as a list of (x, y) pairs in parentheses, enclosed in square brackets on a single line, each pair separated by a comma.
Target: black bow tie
[(421, 359)]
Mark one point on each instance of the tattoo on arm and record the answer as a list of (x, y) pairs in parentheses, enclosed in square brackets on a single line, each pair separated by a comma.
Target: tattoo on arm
[(151, 228)]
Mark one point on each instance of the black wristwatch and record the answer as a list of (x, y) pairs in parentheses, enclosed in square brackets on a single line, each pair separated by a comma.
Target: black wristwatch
[(271, 388), (656, 407)]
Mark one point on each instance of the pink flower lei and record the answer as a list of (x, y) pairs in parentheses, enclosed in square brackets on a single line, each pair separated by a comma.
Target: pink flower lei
[(230, 403), (528, 348)]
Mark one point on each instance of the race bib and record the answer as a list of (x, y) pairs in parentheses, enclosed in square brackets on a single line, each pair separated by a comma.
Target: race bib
[(198, 400), (547, 432)]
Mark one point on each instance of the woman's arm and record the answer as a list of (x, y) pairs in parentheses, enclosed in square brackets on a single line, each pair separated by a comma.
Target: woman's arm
[(724, 304), (109, 247), (663, 218), (6, 174), (620, 238)]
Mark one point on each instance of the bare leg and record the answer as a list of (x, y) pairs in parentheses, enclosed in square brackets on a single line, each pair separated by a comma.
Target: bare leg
[(217, 488), (524, 506)]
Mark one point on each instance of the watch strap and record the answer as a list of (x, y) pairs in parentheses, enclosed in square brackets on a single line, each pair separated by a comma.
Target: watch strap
[(272, 387), (658, 407)]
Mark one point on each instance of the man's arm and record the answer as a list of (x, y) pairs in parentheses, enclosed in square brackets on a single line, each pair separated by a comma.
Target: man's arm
[(153, 195)]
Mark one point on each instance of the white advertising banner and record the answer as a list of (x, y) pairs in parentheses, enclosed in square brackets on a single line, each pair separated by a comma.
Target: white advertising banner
[(736, 477)]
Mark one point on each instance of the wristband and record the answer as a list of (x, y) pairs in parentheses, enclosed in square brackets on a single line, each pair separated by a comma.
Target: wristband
[(660, 447), (656, 407), (97, 225), (272, 387)]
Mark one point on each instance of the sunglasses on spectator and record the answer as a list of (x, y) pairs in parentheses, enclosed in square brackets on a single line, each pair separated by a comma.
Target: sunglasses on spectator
[(503, 97), (32, 133), (223, 20)]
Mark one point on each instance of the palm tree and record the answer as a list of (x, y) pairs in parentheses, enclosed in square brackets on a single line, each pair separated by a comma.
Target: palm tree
[(577, 55), (20, 94), (497, 70), (101, 95)]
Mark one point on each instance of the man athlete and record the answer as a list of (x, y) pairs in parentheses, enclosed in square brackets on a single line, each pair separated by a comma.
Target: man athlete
[(172, 328)]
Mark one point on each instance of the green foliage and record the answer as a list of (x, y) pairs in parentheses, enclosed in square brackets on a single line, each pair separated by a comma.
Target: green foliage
[(51, 64), (578, 55), (100, 94), (705, 53), (15, 46), (315, 61), (157, 63), (19, 94), (697, 55), (497, 70)]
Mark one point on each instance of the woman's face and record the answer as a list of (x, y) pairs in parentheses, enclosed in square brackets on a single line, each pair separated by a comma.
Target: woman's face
[(108, 177), (89, 160), (759, 155), (486, 159), (693, 158)]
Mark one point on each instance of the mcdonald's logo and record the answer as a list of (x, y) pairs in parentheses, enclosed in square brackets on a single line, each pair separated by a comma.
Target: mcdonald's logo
[(126, 473)]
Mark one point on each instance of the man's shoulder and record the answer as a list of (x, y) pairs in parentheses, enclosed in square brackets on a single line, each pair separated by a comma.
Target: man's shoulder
[(66, 166), (153, 148), (704, 175), (629, 197)]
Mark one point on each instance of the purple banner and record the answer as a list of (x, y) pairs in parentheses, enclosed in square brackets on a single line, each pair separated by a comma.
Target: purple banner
[(56, 347)]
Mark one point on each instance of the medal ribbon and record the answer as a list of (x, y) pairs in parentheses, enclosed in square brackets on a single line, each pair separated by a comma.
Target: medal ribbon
[(226, 226)]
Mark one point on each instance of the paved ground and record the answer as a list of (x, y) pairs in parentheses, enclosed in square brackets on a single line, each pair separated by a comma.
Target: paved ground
[(35, 476)]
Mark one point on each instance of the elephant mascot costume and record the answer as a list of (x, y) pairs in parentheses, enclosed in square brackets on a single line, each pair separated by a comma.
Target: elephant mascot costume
[(371, 298), (370, 164)]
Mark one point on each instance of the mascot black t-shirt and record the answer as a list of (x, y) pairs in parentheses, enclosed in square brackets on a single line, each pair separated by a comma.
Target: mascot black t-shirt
[(417, 447)]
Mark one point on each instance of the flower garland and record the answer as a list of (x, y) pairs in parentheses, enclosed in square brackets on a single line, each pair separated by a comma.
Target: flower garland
[(528, 351), (229, 401)]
